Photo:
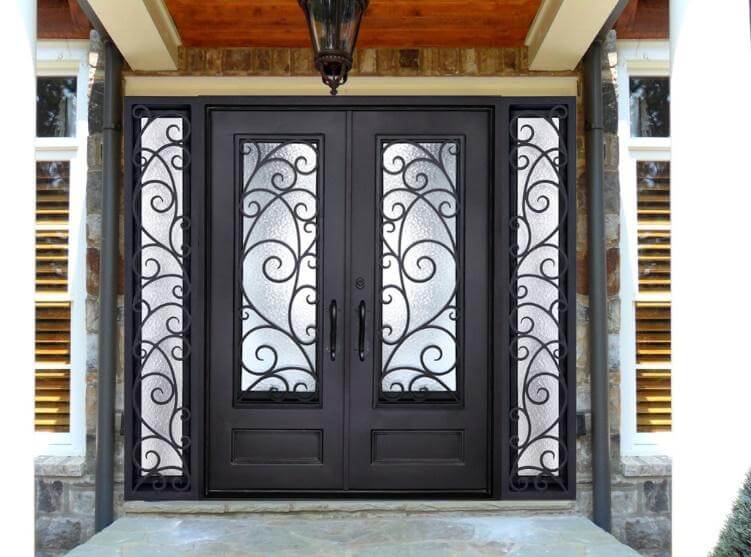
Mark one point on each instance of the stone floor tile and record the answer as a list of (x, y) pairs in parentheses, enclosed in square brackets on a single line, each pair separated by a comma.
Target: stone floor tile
[(363, 535)]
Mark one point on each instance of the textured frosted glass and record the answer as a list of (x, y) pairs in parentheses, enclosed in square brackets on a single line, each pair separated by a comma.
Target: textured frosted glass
[(538, 296), (419, 208), (162, 284), (279, 211)]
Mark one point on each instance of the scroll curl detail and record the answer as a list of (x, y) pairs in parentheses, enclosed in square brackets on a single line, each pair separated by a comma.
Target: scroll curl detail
[(419, 256), (161, 301), (279, 214), (539, 266)]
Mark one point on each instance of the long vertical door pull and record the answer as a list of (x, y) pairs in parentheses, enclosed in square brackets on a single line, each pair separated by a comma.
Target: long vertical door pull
[(332, 337), (361, 335)]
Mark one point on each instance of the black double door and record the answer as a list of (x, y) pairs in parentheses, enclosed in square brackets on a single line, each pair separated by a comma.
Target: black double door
[(349, 301)]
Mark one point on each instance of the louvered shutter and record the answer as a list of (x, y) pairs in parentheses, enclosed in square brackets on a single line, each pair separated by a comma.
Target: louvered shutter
[(653, 364), (52, 341)]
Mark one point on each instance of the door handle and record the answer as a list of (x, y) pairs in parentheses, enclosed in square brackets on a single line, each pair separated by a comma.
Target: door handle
[(361, 336), (332, 338)]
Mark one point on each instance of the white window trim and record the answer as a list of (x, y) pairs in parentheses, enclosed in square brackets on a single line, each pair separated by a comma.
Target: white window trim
[(71, 58), (635, 58)]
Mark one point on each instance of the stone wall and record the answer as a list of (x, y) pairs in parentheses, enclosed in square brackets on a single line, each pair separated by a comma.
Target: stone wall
[(64, 504), (641, 487), (509, 61)]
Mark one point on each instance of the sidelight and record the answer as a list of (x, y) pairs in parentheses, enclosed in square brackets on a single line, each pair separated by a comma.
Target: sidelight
[(539, 300), (420, 206), (160, 289), (279, 260)]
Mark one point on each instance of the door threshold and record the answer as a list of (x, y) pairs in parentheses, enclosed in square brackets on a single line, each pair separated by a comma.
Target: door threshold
[(274, 506)]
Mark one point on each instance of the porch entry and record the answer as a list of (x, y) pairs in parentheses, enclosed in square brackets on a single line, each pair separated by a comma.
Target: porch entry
[(349, 300), (366, 296)]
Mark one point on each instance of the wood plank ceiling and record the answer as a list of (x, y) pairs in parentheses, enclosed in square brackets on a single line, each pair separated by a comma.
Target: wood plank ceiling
[(644, 19), (387, 23), (61, 19)]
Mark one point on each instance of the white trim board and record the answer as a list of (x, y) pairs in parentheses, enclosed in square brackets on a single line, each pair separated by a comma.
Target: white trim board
[(143, 31), (141, 85), (562, 31)]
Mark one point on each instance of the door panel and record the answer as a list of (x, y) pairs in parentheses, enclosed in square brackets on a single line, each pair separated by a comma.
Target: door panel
[(401, 403), (277, 267), (419, 386)]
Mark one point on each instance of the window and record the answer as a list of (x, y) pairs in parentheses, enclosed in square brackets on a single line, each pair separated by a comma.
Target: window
[(60, 347), (652, 305), (56, 106), (649, 101), (52, 342), (644, 169)]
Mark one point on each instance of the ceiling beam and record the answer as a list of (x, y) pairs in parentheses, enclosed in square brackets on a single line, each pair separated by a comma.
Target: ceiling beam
[(563, 30), (143, 31)]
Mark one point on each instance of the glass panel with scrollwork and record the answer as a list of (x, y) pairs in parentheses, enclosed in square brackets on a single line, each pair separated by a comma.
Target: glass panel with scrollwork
[(279, 262), (161, 290), (539, 302), (420, 205)]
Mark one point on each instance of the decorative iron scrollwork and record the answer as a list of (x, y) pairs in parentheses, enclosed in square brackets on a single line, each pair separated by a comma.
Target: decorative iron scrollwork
[(539, 302), (420, 206), (160, 301), (279, 285)]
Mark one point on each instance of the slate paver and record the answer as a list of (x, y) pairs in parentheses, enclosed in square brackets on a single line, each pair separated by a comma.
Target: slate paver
[(423, 535)]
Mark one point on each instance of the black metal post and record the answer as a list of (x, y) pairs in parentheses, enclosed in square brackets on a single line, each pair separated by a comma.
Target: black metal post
[(105, 434), (598, 334)]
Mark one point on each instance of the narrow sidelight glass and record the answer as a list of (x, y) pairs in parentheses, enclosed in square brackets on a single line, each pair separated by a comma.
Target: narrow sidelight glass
[(539, 300), (160, 345)]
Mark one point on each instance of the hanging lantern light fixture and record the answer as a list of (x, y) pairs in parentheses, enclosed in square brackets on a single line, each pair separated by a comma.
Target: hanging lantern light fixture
[(333, 26)]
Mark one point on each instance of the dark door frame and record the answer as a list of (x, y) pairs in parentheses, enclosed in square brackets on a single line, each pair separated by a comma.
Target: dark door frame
[(200, 110)]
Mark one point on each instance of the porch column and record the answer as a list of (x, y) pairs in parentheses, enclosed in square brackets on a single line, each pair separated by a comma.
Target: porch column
[(18, 41), (711, 201)]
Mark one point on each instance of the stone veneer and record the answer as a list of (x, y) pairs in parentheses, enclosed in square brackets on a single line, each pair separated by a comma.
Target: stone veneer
[(367, 61), (641, 487)]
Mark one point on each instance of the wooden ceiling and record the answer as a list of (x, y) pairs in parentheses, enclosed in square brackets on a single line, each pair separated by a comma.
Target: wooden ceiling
[(644, 19), (61, 19), (387, 23)]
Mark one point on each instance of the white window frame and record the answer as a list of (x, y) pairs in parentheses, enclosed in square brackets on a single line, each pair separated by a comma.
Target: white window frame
[(70, 58), (636, 58)]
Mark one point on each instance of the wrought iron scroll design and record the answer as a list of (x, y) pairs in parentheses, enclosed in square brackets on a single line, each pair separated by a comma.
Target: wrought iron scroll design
[(419, 257), (160, 302), (539, 302), (278, 257)]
